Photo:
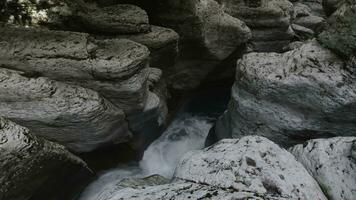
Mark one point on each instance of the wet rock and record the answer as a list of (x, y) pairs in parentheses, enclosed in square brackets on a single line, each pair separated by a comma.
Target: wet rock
[(268, 20), (340, 32), (251, 164), (143, 182), (31, 166), (73, 116), (292, 97), (332, 163)]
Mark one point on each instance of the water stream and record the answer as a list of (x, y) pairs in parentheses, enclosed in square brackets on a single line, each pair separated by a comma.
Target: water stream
[(185, 133)]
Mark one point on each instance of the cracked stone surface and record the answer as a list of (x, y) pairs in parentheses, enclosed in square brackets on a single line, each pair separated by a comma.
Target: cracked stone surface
[(332, 162), (292, 97), (251, 164)]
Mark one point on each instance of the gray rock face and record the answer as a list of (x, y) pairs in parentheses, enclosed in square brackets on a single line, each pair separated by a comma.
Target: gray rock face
[(116, 68), (252, 164), (330, 6), (207, 36), (113, 67), (289, 98), (269, 21), (332, 163), (340, 33), (80, 16), (28, 163), (250, 168), (70, 115), (162, 43), (303, 16)]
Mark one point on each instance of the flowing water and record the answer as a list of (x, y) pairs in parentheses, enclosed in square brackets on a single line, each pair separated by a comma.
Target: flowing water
[(185, 133)]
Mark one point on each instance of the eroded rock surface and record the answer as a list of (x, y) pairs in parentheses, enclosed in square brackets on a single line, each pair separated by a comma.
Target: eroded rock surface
[(292, 97), (28, 164), (249, 168), (73, 116), (269, 21), (252, 164), (332, 162), (340, 33)]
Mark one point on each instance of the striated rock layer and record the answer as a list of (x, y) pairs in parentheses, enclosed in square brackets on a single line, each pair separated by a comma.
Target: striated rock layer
[(70, 115), (269, 21), (29, 166)]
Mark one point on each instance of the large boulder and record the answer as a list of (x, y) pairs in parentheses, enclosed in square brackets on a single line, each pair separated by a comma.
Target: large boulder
[(340, 33), (113, 67), (73, 116), (332, 162), (31, 166), (251, 164), (269, 21), (292, 97), (249, 168), (116, 68)]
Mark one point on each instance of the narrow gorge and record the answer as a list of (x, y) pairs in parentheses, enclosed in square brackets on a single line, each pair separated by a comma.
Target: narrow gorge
[(177, 99)]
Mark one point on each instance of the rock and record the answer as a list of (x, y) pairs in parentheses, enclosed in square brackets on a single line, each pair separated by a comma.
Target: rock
[(340, 32), (207, 37), (302, 32), (330, 6), (249, 168), (269, 21), (31, 166), (116, 68), (73, 116), (187, 190), (303, 16), (332, 163), (80, 16), (251, 164), (143, 182), (113, 67), (292, 97), (162, 43)]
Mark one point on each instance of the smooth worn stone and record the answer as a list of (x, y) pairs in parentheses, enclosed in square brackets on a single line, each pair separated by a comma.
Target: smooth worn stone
[(291, 97), (340, 32), (30, 165), (115, 68), (332, 163), (73, 116), (264, 16), (250, 164)]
